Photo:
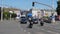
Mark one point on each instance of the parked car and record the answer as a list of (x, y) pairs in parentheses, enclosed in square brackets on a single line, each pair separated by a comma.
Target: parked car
[(23, 20), (47, 20)]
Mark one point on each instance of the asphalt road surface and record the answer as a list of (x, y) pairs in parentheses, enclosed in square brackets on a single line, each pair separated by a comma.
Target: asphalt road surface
[(14, 27), (52, 28)]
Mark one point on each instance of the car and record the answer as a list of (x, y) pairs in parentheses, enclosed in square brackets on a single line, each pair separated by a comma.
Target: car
[(35, 21), (23, 20), (18, 16), (47, 20)]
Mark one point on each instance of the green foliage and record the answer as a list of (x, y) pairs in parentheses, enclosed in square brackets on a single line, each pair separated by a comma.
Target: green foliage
[(7, 15), (13, 15), (58, 8)]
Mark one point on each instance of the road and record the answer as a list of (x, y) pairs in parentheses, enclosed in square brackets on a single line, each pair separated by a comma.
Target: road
[(46, 29), (14, 27), (10, 27)]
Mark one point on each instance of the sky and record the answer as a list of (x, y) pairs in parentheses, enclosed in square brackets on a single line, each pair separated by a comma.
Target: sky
[(27, 4)]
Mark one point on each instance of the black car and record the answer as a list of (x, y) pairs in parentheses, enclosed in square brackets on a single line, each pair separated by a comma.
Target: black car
[(47, 20), (35, 21), (23, 20)]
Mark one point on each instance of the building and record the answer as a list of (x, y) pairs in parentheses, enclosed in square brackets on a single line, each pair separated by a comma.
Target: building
[(42, 12)]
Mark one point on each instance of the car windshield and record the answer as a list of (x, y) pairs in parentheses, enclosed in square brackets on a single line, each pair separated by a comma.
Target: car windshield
[(22, 17), (18, 16), (34, 19)]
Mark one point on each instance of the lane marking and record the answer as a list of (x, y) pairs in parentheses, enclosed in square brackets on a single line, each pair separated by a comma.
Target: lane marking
[(24, 30), (28, 32), (53, 32)]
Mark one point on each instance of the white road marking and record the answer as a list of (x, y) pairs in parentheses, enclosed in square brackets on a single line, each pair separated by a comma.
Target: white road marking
[(52, 32), (24, 30), (28, 32)]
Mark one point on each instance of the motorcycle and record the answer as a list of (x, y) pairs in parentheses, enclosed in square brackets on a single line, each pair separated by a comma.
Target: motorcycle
[(41, 22), (30, 23)]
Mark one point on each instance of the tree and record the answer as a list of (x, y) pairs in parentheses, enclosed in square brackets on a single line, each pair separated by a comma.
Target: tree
[(6, 15), (58, 7)]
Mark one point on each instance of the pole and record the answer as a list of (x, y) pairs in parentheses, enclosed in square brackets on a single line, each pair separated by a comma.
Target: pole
[(53, 4), (2, 12)]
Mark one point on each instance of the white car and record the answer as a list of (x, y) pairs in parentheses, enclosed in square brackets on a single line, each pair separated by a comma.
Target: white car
[(18, 17)]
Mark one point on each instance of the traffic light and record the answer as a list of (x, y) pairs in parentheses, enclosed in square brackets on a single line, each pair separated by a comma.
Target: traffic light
[(33, 4)]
